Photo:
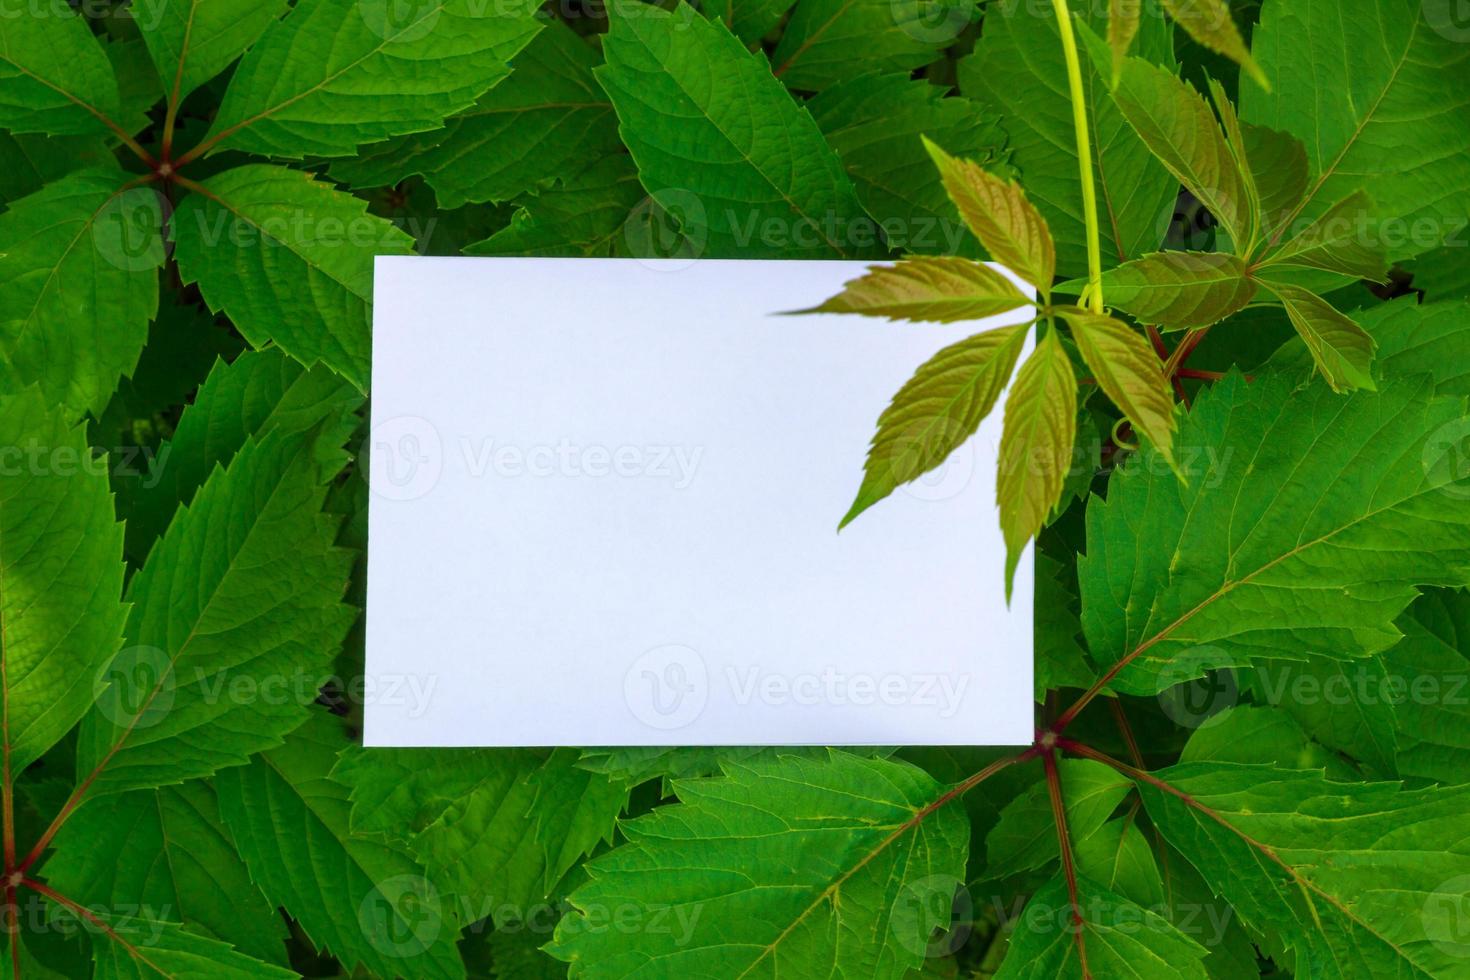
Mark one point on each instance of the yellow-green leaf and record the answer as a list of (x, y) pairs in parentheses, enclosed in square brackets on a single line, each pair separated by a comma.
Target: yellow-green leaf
[(996, 210), (1179, 127), (933, 290), (1123, 21), (1180, 289), (937, 410), (1036, 447), (1342, 349), (1127, 368), (1344, 240), (1209, 23)]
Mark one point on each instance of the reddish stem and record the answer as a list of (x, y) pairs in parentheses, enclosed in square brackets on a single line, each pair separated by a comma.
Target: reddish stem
[(1069, 870)]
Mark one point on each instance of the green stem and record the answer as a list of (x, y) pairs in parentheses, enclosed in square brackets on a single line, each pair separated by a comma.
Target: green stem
[(1084, 156)]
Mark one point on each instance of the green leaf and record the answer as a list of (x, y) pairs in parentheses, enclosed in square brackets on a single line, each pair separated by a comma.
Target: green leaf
[(997, 211), (1342, 241), (1180, 289), (1129, 371), (289, 259), (167, 851), (1119, 858), (54, 73), (1209, 23), (78, 284), (1120, 938), (194, 40), (1367, 95), (1307, 522), (257, 393), (1428, 679), (1025, 838), (1060, 659), (600, 212), (549, 117), (1178, 126), (335, 74), (746, 167), (397, 793), (1123, 21), (927, 290), (796, 867), (361, 897), (875, 123), (61, 575), (936, 410), (1346, 706), (1432, 339), (1385, 900), (1443, 273), (504, 844), (30, 162), (1018, 70), (1342, 349), (1252, 734), (1277, 163), (831, 41), (163, 950), (236, 617), (1036, 446)]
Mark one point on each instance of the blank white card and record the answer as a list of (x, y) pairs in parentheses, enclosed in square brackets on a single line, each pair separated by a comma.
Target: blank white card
[(604, 507)]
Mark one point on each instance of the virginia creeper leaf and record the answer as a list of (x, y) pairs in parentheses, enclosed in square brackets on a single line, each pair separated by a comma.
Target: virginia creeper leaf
[(600, 212), (1123, 21), (547, 118), (1180, 289), (937, 410), (235, 619), (60, 576), (156, 950), (1025, 838), (745, 168), (1278, 166), (1428, 678), (997, 211), (167, 851), (1364, 89), (1342, 349), (830, 41), (289, 259), (800, 866), (1128, 369), (78, 284), (258, 392), (194, 40), (1383, 904), (360, 896), (1338, 242), (1036, 446), (1304, 527), (53, 71), (1178, 126), (335, 74), (1119, 937), (933, 290)]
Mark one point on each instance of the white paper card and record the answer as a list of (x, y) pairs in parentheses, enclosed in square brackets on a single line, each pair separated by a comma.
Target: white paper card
[(605, 496)]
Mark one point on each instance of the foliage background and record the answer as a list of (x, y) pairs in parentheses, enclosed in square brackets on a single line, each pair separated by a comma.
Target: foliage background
[(1271, 780)]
